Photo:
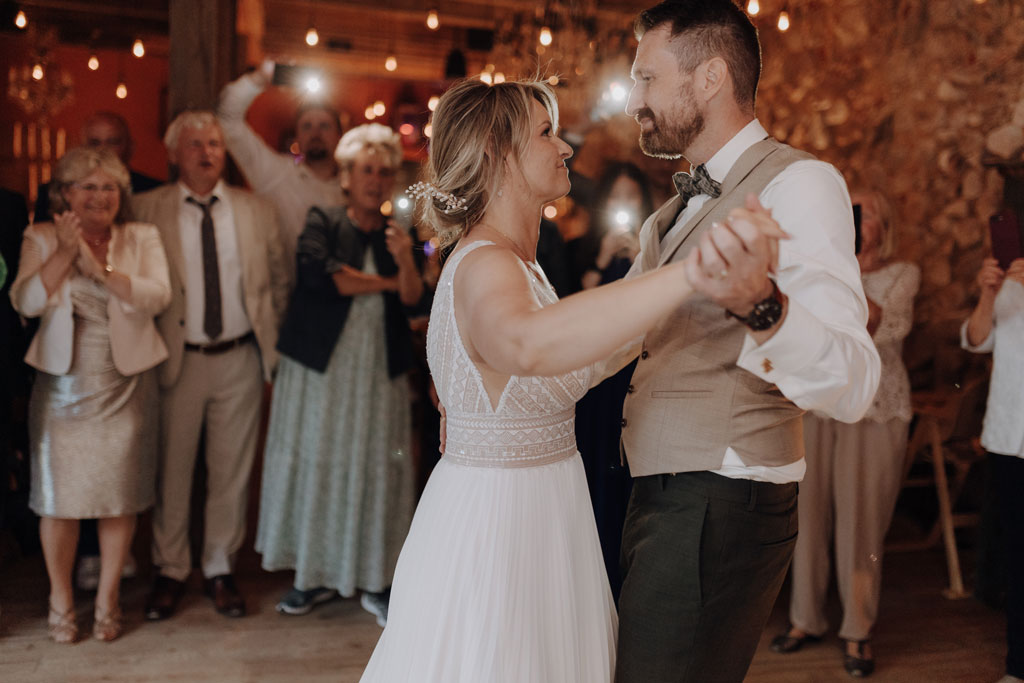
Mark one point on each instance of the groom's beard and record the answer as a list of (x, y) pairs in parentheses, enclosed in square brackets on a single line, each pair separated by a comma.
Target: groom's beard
[(670, 139)]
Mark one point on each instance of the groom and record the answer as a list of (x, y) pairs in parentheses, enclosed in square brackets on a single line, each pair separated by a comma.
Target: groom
[(712, 421)]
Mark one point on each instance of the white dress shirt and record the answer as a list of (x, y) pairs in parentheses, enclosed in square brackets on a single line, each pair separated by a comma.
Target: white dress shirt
[(236, 320), (821, 357), (1003, 430), (289, 185)]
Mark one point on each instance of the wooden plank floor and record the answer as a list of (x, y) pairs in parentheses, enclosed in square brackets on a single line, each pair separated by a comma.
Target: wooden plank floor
[(921, 637)]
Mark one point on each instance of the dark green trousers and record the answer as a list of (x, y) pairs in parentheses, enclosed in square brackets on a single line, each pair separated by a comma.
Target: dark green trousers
[(703, 559)]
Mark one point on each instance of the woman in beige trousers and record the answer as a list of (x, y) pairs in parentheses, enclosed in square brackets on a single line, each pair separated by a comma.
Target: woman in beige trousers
[(854, 471)]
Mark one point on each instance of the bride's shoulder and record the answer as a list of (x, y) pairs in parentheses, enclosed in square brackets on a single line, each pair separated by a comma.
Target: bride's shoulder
[(484, 264)]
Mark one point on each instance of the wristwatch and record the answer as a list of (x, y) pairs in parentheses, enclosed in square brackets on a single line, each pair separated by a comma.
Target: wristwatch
[(766, 313)]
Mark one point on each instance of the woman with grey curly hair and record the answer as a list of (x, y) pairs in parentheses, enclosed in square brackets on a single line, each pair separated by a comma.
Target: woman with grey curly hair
[(501, 578), (337, 492), (96, 279)]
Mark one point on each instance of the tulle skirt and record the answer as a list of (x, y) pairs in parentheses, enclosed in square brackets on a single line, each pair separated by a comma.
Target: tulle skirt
[(500, 580)]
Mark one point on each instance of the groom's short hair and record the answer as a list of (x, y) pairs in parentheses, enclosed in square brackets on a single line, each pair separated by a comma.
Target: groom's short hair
[(711, 28)]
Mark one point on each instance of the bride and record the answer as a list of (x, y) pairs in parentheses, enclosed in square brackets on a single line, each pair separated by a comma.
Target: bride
[(501, 579)]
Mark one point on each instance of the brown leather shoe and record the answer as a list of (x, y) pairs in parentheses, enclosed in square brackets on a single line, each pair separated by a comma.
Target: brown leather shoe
[(224, 593), (163, 599)]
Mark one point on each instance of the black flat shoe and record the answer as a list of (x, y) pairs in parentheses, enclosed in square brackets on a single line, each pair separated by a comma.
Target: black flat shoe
[(785, 643), (858, 665)]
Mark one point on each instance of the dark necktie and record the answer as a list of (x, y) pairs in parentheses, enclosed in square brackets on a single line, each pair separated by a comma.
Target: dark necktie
[(213, 324)]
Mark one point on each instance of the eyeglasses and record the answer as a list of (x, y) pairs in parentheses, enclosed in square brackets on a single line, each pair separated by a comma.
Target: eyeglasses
[(93, 188)]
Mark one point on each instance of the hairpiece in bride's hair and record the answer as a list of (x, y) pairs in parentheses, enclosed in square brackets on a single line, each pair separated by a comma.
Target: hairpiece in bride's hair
[(450, 201)]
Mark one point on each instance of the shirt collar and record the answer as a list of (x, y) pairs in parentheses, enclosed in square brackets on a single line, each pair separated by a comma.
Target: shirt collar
[(218, 192), (722, 162)]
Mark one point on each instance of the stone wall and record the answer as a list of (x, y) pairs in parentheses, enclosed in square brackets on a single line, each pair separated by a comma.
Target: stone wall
[(902, 95)]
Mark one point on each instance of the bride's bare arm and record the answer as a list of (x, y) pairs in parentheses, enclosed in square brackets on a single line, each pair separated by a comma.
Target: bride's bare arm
[(513, 334)]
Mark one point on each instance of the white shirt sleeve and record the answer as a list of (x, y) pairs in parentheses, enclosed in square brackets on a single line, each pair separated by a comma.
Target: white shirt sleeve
[(262, 167), (821, 357)]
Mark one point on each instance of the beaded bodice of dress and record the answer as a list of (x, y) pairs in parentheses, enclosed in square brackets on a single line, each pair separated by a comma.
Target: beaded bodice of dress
[(532, 423)]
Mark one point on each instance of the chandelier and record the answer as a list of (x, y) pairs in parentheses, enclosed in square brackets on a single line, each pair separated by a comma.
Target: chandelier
[(41, 87), (576, 47)]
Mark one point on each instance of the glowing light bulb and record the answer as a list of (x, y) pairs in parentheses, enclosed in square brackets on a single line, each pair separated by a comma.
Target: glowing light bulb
[(20, 20), (403, 202), (37, 72), (622, 217), (432, 102), (753, 7), (391, 63), (618, 92), (138, 49), (499, 77), (122, 91), (486, 77), (312, 37), (369, 113), (545, 36), (428, 130), (386, 208), (550, 212), (553, 80), (406, 129), (783, 21), (313, 85), (379, 108), (433, 21), (94, 63)]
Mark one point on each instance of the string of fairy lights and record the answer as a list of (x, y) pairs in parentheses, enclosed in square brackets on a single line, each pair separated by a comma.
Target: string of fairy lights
[(137, 50)]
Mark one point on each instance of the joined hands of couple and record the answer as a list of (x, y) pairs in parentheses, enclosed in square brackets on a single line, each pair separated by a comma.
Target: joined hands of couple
[(732, 261)]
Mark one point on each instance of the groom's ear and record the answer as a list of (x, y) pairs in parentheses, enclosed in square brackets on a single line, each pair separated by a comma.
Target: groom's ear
[(711, 78)]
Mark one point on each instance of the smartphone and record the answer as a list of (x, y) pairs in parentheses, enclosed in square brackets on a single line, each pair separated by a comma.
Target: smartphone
[(857, 239), (295, 76), (1005, 232)]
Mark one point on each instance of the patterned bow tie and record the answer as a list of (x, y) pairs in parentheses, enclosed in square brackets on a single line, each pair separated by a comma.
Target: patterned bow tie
[(688, 186)]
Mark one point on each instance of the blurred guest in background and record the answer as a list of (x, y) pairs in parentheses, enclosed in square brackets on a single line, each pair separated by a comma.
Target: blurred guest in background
[(854, 471), (109, 131), (604, 254), (229, 288), (996, 326), (292, 185), (15, 383), (337, 491), (96, 279)]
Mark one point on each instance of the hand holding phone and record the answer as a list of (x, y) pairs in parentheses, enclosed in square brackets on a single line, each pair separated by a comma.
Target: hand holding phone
[(1005, 232)]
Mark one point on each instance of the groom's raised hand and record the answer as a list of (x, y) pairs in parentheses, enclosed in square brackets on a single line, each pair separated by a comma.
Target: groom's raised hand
[(731, 262)]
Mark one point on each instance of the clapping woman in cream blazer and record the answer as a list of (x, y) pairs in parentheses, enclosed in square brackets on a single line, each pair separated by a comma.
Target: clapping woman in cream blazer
[(96, 280)]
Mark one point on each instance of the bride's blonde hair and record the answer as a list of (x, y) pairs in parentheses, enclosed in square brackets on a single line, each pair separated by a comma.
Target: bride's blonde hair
[(474, 128)]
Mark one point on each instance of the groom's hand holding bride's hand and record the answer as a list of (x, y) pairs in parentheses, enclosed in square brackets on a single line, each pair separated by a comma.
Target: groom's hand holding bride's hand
[(731, 262)]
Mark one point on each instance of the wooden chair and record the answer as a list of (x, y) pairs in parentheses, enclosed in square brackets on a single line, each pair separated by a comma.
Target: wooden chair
[(946, 435)]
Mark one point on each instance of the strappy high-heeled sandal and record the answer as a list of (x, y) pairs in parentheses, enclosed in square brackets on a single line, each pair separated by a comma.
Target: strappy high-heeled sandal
[(61, 627), (109, 626)]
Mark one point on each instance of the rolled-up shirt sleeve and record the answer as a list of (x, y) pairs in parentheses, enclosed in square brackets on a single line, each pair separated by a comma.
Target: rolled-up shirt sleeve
[(821, 357)]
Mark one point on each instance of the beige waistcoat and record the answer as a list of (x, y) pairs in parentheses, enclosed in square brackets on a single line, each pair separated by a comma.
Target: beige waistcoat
[(688, 400)]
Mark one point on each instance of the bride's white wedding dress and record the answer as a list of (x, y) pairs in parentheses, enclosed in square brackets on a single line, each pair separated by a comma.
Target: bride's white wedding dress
[(501, 578)]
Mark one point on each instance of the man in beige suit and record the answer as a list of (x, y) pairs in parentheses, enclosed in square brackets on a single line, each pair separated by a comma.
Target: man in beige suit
[(229, 285), (712, 422)]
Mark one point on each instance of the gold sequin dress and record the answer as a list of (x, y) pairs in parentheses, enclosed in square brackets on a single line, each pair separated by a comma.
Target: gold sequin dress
[(93, 431)]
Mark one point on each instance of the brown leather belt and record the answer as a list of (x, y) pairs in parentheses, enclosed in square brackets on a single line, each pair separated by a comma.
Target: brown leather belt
[(221, 347)]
